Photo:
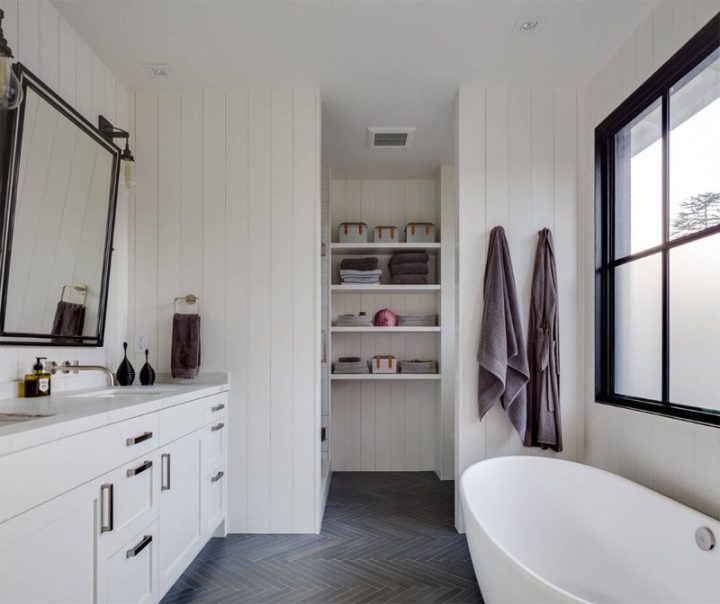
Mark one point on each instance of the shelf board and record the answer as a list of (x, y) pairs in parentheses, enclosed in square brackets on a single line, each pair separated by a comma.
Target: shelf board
[(383, 376), (384, 329), (382, 248), (377, 289)]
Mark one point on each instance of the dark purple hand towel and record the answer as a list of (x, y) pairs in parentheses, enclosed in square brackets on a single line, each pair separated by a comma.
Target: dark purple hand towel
[(359, 264), (69, 319), (408, 258), (414, 268), (185, 354), (409, 280)]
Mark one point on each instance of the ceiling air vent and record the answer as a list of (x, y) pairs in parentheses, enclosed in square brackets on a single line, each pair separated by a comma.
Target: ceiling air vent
[(390, 138)]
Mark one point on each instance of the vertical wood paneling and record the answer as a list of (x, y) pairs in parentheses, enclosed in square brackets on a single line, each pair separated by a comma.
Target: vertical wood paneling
[(50, 45), (213, 253), (66, 62), (259, 429), (676, 458), (517, 167), (238, 288), (83, 78), (169, 220), (28, 46), (306, 345), (145, 269), (191, 187), (282, 280)]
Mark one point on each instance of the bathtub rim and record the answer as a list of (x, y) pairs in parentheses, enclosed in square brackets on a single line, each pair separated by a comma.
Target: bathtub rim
[(464, 479)]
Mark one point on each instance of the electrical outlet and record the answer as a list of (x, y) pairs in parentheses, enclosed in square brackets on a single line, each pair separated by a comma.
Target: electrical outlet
[(141, 343)]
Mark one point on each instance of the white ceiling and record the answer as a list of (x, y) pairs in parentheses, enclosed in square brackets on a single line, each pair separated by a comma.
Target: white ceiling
[(377, 63)]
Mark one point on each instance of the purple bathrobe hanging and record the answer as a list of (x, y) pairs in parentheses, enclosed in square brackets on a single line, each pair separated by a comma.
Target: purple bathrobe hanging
[(543, 418)]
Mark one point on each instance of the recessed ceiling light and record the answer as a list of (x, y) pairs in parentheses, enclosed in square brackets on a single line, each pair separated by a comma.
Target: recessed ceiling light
[(528, 25), (157, 70)]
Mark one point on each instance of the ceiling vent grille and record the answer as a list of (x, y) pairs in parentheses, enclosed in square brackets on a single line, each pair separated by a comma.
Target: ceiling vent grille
[(390, 138)]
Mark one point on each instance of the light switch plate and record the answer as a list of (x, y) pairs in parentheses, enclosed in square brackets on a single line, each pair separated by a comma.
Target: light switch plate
[(141, 343)]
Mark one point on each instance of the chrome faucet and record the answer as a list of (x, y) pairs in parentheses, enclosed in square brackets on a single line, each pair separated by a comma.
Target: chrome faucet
[(68, 367)]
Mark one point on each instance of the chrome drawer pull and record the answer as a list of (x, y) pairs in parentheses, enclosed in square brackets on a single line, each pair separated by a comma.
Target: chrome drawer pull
[(106, 527), (138, 439), (131, 553), (140, 469), (220, 426), (217, 408), (165, 459), (217, 476)]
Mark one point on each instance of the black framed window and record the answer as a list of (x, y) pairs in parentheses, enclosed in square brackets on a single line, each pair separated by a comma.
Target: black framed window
[(658, 240)]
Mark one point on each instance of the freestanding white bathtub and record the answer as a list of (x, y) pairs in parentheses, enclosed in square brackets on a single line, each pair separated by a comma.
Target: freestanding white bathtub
[(544, 530)]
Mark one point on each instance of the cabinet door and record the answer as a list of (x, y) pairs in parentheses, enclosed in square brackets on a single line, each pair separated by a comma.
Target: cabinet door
[(48, 553), (180, 530), (129, 575), (213, 501)]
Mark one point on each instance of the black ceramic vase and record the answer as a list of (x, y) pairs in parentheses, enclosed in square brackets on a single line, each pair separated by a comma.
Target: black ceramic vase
[(125, 372), (147, 373)]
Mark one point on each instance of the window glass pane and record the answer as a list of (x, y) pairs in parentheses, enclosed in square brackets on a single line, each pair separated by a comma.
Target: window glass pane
[(695, 323), (695, 149), (638, 183), (638, 328)]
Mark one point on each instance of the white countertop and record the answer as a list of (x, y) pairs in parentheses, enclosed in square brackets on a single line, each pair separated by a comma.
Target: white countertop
[(77, 411)]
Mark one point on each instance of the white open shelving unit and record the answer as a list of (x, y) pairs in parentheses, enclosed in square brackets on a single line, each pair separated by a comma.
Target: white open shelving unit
[(388, 422)]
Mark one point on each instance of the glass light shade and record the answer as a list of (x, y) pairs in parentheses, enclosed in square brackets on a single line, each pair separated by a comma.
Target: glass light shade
[(128, 170), (11, 94)]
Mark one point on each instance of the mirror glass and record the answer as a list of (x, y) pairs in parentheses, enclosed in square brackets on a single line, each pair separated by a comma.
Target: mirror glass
[(60, 212)]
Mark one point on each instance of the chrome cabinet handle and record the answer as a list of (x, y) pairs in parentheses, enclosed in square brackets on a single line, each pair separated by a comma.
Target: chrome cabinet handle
[(165, 485), (219, 426), (106, 527), (138, 439), (217, 476), (140, 469), (134, 551), (217, 408)]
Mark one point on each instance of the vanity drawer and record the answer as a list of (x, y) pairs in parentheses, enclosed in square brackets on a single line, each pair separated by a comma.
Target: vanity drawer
[(216, 407), (128, 575), (214, 443), (213, 501), (177, 421), (127, 500), (40, 473)]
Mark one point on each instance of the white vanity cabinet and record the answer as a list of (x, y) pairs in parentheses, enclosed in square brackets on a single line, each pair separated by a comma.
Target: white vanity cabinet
[(127, 534), (48, 553), (180, 517)]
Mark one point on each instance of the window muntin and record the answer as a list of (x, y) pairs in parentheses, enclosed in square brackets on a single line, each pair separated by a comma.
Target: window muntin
[(658, 241)]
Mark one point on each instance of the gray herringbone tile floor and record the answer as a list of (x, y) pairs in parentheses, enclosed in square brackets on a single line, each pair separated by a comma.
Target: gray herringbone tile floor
[(387, 537)]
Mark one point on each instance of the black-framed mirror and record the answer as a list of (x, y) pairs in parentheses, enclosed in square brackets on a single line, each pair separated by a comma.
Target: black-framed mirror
[(60, 180)]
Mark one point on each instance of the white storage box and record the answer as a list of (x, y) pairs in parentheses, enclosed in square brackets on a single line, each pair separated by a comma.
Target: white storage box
[(420, 232), (386, 234), (353, 232), (383, 364)]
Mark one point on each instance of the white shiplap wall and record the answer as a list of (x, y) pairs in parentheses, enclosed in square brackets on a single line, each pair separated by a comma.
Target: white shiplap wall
[(45, 43), (517, 167), (679, 459), (228, 208)]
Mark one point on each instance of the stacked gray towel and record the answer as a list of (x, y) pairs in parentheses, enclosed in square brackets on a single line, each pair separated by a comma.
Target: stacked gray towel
[(351, 365), (361, 320), (409, 268), (360, 271), (417, 320), (418, 367)]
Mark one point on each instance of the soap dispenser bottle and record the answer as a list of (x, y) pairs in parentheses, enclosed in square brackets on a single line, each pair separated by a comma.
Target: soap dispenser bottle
[(37, 383)]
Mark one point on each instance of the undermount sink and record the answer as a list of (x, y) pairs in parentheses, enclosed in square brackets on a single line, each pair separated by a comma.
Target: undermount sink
[(13, 418), (122, 391)]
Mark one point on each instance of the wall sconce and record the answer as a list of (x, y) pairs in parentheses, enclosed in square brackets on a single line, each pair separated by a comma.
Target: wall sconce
[(110, 133), (11, 94)]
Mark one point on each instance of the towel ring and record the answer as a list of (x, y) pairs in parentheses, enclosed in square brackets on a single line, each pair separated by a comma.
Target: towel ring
[(190, 299), (80, 289)]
